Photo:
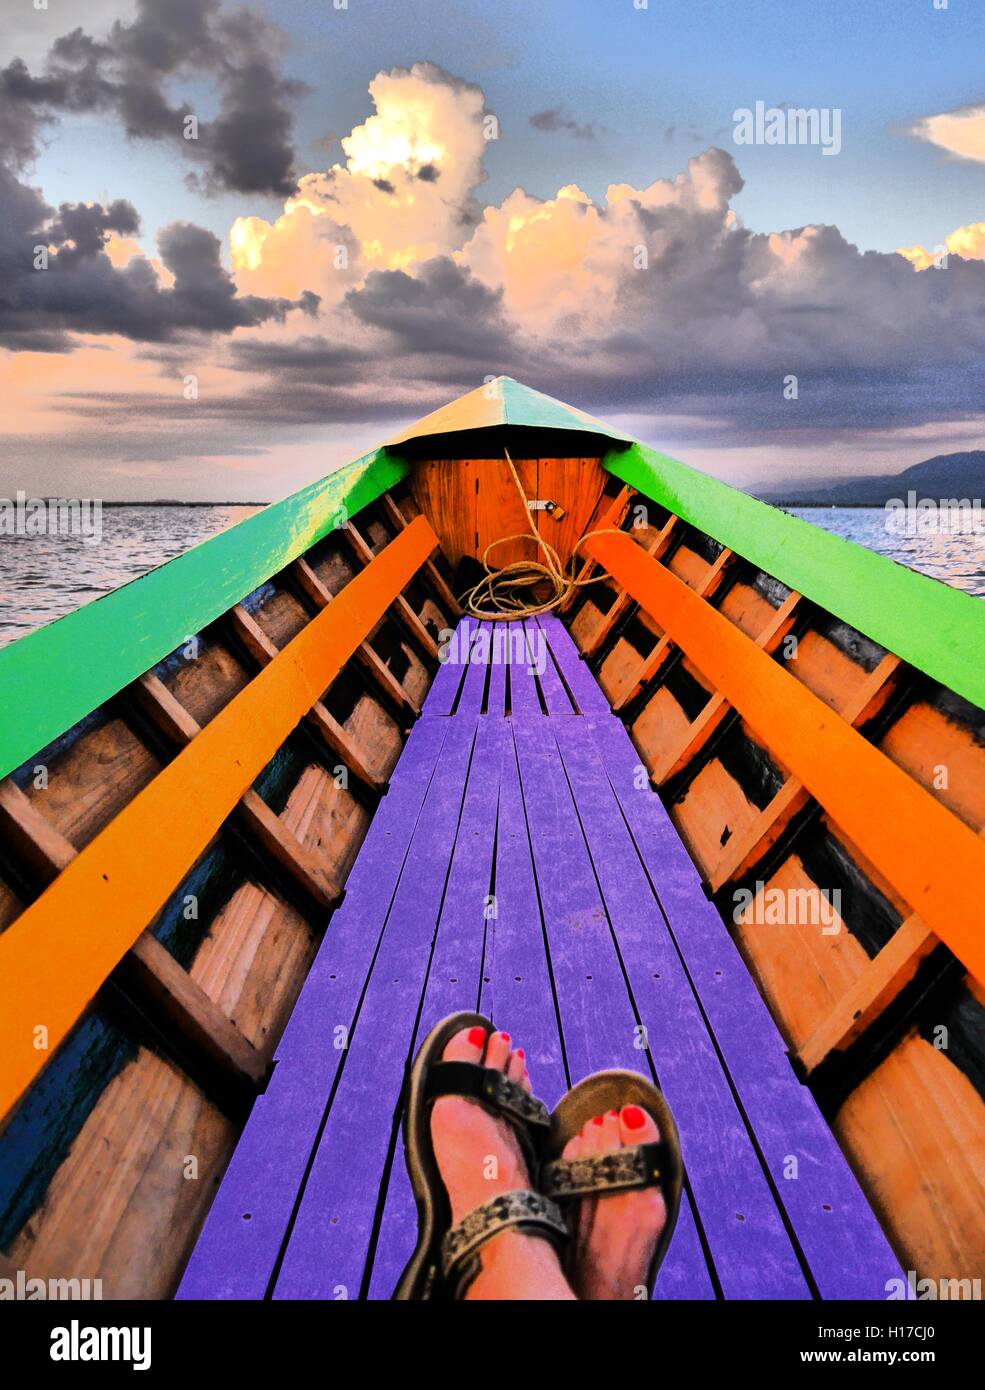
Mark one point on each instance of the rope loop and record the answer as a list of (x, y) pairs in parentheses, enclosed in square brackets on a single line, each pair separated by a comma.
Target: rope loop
[(498, 596)]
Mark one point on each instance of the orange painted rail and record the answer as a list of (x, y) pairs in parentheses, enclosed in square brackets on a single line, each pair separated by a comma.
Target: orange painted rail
[(934, 860), (58, 953)]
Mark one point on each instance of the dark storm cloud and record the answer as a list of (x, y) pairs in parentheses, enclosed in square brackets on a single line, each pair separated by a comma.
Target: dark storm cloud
[(441, 308), (247, 148), (80, 291)]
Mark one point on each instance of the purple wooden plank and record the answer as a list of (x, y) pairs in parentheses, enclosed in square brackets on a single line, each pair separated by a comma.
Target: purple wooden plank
[(516, 982), (523, 688), (579, 679), (749, 1245), (454, 975), (684, 1273), (556, 697), (499, 660), (239, 1244), (440, 699), (327, 1247), (848, 1255), (474, 685), (598, 1022)]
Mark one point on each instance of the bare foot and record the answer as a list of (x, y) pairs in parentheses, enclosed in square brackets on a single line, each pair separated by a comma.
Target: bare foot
[(615, 1235), (480, 1157)]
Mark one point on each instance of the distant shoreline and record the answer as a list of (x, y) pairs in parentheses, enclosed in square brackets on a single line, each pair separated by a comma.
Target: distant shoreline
[(825, 506), (175, 502)]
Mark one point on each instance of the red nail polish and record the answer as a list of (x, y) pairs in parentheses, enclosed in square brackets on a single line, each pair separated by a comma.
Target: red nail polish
[(520, 1053), (477, 1036), (633, 1117), (614, 1114), (505, 1037), (596, 1119)]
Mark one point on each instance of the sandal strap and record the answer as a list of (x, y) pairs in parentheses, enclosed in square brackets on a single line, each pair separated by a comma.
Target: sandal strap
[(530, 1211), (645, 1165), (491, 1087)]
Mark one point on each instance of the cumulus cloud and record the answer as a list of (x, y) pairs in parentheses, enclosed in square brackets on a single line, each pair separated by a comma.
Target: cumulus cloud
[(960, 132), (247, 148), (967, 242), (653, 302), (405, 193), (58, 278)]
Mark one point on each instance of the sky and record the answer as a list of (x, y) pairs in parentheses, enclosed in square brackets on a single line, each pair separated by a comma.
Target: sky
[(270, 235)]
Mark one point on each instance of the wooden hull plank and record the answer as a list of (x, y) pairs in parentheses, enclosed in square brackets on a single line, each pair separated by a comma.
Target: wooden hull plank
[(499, 655), (579, 680), (474, 684), (56, 955), (848, 1255), (596, 1015), (328, 1243), (556, 698), (440, 699), (933, 860), (523, 687), (750, 1247), (234, 1257), (454, 978)]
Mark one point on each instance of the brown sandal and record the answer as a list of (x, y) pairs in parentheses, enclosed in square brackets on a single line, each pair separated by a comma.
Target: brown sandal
[(658, 1164), (446, 1258)]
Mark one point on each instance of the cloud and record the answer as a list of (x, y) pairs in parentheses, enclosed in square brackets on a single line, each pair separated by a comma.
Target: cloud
[(960, 132), (58, 280), (405, 193), (440, 309), (554, 119), (967, 241), (651, 303), (652, 300), (247, 148)]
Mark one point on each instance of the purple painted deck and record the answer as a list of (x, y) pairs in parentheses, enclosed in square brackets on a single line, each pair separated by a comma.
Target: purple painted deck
[(516, 866)]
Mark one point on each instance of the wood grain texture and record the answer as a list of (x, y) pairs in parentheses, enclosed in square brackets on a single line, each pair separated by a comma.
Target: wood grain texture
[(933, 859), (54, 958)]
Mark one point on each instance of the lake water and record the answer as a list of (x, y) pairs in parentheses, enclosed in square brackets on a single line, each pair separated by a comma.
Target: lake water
[(45, 577), (946, 545)]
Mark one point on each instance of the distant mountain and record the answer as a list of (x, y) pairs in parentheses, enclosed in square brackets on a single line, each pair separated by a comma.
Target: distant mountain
[(945, 475)]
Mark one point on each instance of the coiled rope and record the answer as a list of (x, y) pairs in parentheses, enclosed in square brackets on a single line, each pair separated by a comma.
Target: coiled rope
[(498, 596)]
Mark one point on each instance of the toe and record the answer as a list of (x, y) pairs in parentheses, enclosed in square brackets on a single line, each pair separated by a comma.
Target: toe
[(573, 1148), (610, 1137), (466, 1046), (636, 1126), (517, 1066), (498, 1051), (592, 1135)]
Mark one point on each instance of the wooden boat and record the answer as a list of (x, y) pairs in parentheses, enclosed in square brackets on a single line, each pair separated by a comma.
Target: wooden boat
[(721, 815)]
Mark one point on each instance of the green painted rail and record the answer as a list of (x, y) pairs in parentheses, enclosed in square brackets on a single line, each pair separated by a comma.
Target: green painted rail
[(52, 678), (937, 629)]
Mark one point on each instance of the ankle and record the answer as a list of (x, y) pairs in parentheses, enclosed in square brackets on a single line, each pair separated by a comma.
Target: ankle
[(519, 1265)]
